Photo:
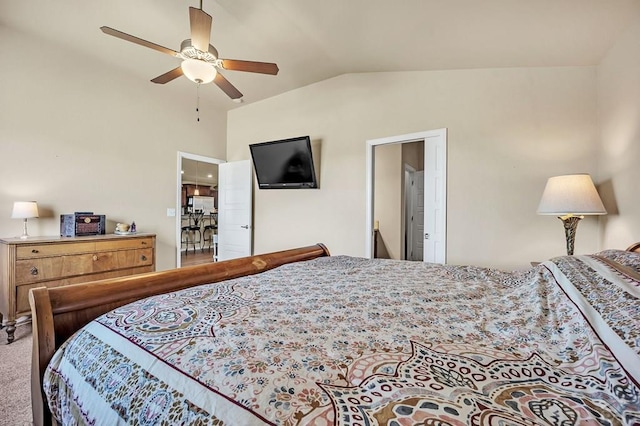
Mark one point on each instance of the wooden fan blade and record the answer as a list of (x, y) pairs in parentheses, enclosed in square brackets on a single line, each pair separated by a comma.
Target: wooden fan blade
[(200, 23), (168, 76), (227, 87), (250, 66), (136, 40)]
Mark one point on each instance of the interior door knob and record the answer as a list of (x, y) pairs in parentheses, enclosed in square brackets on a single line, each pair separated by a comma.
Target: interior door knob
[(244, 226)]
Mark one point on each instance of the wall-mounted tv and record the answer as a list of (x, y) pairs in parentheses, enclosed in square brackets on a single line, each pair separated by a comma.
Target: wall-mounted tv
[(284, 164)]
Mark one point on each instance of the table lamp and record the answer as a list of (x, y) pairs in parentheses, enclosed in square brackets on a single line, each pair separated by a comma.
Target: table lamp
[(24, 210), (570, 197)]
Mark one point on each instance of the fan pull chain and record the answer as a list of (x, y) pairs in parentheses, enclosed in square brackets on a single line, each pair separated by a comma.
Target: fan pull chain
[(198, 101)]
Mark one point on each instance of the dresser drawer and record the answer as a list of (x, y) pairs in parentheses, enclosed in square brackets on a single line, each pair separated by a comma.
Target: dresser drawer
[(128, 243), (52, 268), (141, 257), (22, 291), (44, 250), (122, 259)]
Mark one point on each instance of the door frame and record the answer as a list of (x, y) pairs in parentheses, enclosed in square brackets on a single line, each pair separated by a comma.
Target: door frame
[(441, 134), (188, 156)]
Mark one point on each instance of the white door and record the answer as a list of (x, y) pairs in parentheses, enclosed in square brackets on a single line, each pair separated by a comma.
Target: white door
[(234, 210), (417, 213), (435, 193)]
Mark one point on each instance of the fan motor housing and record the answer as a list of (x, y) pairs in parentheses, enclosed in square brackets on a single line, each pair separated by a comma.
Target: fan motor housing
[(187, 50)]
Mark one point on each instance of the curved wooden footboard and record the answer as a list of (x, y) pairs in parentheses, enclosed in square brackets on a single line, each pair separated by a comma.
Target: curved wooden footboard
[(57, 313), (634, 247)]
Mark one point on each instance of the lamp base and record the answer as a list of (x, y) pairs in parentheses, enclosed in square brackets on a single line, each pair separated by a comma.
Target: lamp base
[(570, 223), (24, 235)]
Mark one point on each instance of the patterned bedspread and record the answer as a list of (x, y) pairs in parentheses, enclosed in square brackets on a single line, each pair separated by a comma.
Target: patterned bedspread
[(349, 341)]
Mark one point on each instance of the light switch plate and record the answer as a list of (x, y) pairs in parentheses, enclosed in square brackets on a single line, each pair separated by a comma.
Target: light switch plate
[(171, 212)]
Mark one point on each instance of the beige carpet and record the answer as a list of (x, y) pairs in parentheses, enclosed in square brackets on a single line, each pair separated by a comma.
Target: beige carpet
[(15, 378)]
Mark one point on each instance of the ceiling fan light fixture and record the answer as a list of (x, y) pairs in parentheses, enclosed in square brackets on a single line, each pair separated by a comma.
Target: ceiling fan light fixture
[(198, 71), (200, 60)]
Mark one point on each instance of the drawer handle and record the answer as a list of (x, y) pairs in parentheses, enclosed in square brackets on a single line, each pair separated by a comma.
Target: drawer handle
[(35, 251), (144, 243), (143, 257), (95, 257), (34, 270)]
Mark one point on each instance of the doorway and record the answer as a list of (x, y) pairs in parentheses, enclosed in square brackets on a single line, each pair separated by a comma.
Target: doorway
[(194, 172), (435, 161)]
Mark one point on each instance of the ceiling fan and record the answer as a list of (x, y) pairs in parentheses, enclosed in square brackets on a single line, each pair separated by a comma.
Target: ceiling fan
[(200, 61)]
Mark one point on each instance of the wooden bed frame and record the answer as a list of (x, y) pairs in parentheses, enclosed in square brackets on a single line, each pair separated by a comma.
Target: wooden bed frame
[(634, 247), (57, 313)]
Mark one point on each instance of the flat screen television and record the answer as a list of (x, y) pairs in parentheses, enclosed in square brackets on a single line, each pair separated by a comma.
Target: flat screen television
[(284, 164)]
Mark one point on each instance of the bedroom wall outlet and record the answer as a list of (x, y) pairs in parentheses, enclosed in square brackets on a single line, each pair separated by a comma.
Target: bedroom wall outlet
[(171, 212)]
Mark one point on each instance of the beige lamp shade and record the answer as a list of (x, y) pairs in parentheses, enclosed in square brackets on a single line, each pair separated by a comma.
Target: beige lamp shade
[(24, 209), (571, 195)]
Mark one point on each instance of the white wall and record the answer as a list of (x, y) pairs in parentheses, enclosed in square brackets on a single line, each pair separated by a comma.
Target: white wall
[(78, 136), (509, 130), (619, 115)]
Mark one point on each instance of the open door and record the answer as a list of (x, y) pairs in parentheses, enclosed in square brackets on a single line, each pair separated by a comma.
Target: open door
[(235, 187), (435, 198)]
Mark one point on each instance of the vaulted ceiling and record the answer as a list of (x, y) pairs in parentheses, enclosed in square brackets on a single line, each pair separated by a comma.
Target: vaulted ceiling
[(312, 40)]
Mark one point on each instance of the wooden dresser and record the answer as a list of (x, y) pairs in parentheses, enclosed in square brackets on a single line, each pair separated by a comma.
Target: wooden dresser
[(60, 261)]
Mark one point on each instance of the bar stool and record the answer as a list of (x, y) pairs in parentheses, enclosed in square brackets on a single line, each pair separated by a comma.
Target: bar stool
[(191, 231), (209, 232), (196, 229), (185, 236)]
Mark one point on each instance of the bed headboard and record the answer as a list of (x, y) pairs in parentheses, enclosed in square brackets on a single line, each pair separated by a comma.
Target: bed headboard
[(59, 312)]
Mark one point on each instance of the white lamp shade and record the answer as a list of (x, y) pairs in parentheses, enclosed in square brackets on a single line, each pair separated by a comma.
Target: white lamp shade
[(571, 194), (198, 71), (24, 209)]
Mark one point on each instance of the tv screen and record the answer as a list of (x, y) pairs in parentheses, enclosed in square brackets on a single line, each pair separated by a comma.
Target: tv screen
[(286, 163)]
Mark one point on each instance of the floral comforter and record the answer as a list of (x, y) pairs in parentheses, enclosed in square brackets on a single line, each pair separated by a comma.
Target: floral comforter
[(349, 341)]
